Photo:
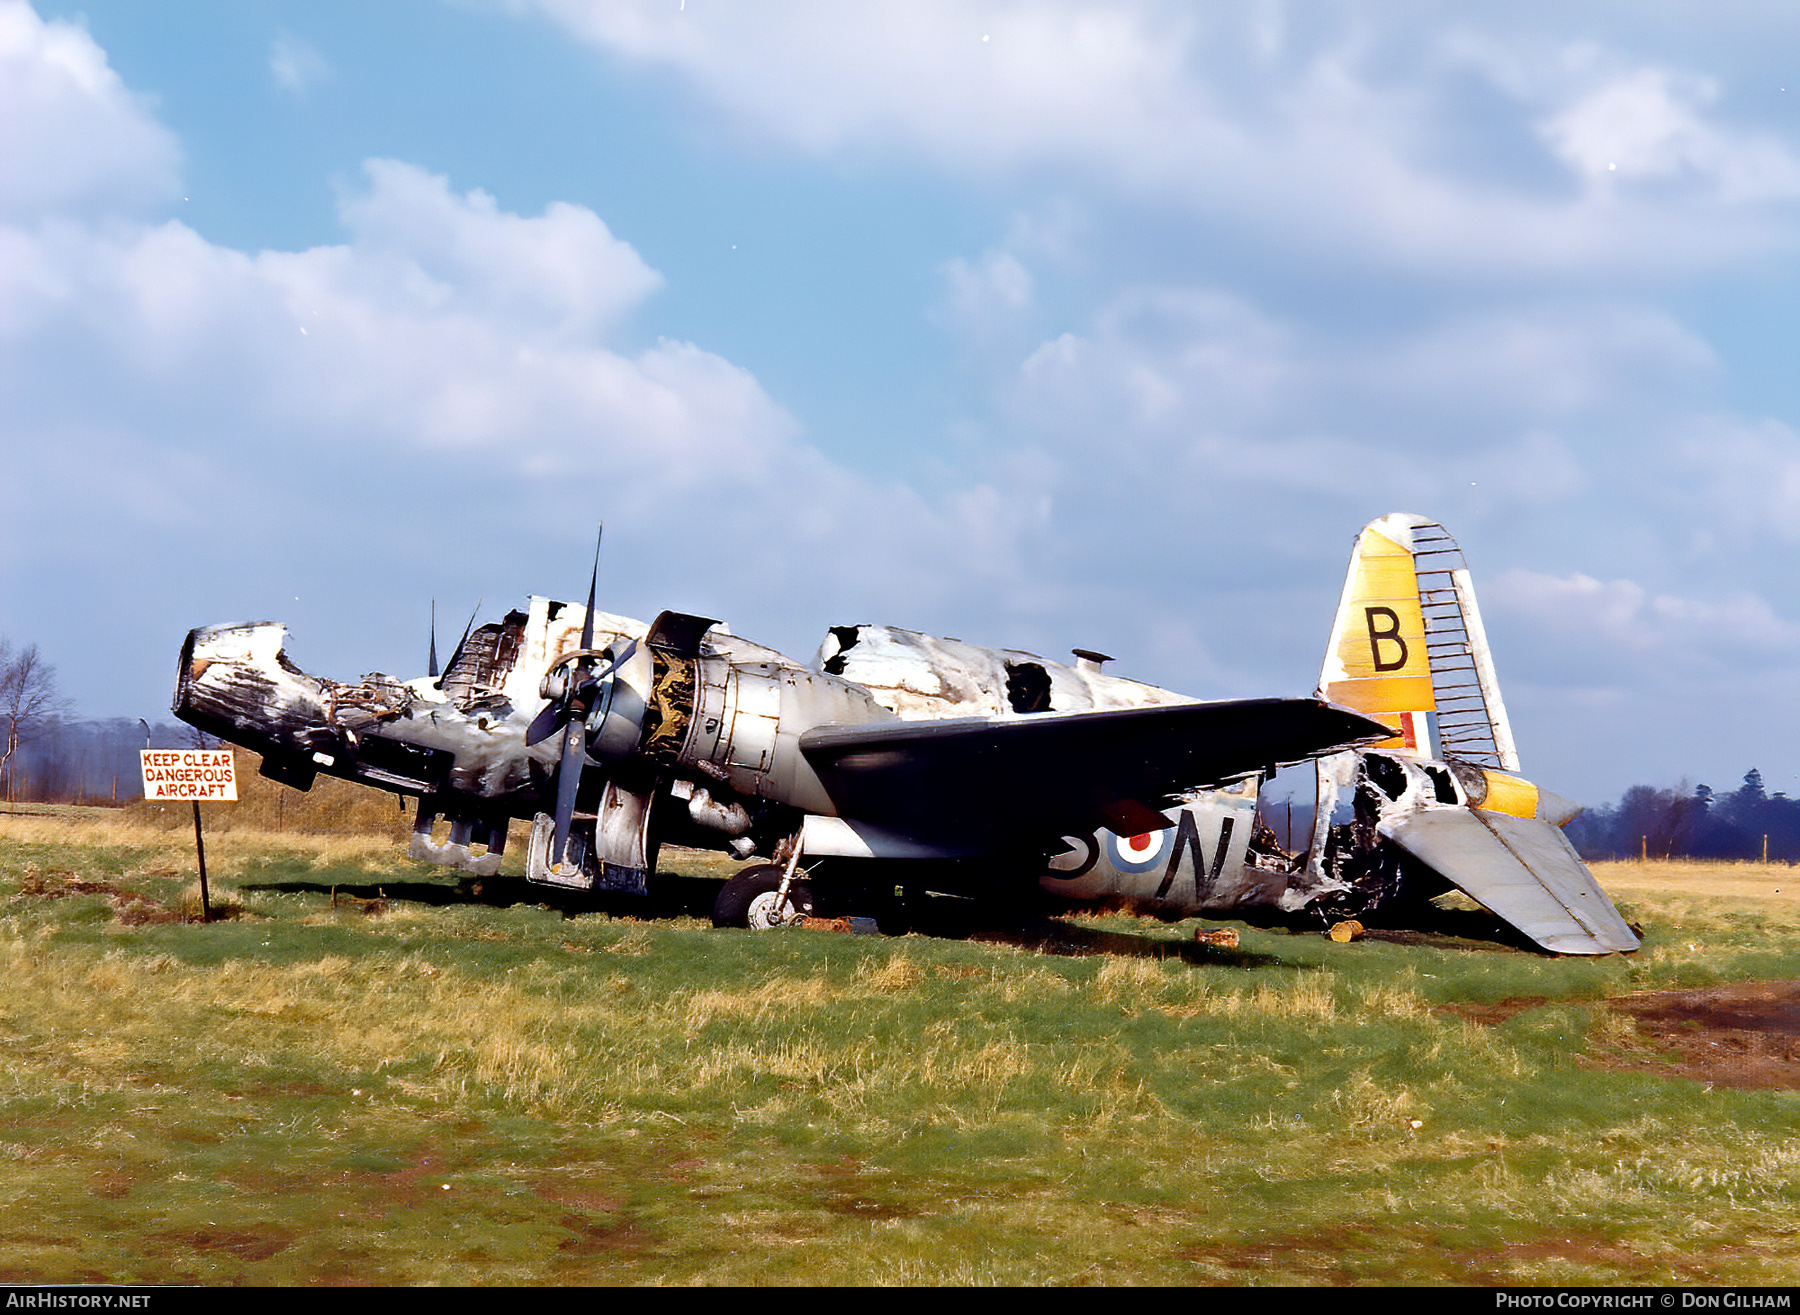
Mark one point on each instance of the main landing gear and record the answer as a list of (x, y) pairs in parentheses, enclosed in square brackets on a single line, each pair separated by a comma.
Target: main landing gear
[(753, 898)]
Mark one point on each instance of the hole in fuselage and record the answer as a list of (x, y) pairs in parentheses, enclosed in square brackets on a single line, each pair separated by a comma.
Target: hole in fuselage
[(1027, 687), (1389, 776), (846, 637)]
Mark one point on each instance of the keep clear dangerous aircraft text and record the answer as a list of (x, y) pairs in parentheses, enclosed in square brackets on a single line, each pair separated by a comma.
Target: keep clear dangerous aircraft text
[(189, 774)]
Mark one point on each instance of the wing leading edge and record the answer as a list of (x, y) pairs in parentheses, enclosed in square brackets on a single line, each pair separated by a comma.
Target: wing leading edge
[(986, 784)]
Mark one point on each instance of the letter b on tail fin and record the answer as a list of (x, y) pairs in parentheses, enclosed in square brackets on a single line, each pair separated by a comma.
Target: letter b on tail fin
[(1384, 624)]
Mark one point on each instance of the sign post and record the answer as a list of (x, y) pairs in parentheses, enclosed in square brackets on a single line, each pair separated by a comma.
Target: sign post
[(191, 774)]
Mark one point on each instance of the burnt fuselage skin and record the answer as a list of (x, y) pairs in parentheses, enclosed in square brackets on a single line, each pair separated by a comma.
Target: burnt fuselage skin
[(711, 728), (693, 725)]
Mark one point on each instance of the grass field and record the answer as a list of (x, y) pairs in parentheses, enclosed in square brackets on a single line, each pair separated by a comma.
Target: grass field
[(372, 1074)]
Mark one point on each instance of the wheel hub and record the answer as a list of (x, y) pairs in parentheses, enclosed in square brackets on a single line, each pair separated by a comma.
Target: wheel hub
[(767, 912)]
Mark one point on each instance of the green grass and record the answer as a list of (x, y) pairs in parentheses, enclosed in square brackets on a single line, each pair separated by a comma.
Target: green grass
[(434, 1088)]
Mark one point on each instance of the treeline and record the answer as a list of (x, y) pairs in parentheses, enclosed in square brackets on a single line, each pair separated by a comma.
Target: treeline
[(64, 761), (1745, 823)]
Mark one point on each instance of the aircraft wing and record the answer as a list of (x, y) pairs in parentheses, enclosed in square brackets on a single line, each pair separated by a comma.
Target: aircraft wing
[(982, 784), (1520, 868)]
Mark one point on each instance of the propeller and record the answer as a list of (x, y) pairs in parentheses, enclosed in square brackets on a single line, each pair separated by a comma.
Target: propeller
[(595, 700), (570, 689)]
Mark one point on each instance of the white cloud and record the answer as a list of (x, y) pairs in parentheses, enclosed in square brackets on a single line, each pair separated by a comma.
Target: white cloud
[(443, 325), (1331, 137), (561, 274), (1648, 124), (453, 375), (1198, 383), (984, 299), (1544, 360), (72, 138), (296, 63), (1625, 683), (1622, 626), (1743, 485), (452, 379)]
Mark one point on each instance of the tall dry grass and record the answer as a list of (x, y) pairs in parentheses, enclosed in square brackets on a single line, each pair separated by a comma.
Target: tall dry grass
[(466, 1093)]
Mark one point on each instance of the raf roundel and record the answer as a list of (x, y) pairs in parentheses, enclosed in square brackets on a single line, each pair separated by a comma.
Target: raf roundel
[(1136, 853)]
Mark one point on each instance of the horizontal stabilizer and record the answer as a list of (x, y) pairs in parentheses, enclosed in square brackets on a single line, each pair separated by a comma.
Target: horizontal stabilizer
[(987, 783), (1520, 868)]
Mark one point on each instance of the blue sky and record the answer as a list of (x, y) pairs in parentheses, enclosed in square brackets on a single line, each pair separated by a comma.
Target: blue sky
[(1041, 324)]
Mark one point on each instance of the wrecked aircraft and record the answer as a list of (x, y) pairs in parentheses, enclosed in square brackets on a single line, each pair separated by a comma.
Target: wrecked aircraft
[(894, 758), (1436, 804), (898, 759)]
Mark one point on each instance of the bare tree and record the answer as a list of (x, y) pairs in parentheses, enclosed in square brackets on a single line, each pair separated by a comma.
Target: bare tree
[(28, 701)]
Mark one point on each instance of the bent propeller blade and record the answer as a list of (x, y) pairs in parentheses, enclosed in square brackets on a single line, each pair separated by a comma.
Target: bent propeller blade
[(573, 710)]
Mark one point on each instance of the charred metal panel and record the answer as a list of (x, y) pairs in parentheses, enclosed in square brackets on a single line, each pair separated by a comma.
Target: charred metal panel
[(924, 676), (538, 867), (289, 772), (680, 633), (399, 763), (1027, 687), (373, 701), (611, 849), (669, 712), (478, 670), (236, 682)]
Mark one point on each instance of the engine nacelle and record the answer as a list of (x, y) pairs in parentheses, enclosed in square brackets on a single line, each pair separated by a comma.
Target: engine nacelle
[(747, 719)]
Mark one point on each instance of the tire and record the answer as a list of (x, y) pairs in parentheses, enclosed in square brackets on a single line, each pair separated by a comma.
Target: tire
[(757, 883)]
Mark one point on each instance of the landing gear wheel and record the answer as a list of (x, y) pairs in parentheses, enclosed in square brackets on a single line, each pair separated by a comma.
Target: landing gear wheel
[(749, 900), (766, 914)]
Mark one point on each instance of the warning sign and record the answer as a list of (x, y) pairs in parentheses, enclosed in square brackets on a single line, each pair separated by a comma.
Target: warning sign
[(189, 774)]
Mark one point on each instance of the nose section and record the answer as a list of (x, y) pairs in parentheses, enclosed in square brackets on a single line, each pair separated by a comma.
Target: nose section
[(234, 681), (1555, 809), (218, 662)]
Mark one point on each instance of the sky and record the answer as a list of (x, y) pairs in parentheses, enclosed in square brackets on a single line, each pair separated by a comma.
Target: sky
[(1043, 324)]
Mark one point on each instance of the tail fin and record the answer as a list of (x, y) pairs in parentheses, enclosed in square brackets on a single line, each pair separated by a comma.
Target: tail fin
[(1407, 647)]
